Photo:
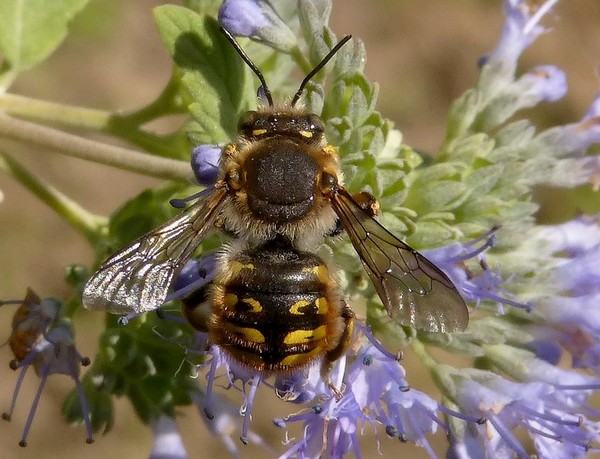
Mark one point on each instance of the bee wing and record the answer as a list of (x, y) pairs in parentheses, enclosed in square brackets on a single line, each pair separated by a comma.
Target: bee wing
[(414, 291), (137, 278)]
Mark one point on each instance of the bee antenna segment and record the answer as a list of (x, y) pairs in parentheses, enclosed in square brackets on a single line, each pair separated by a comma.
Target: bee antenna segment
[(251, 64), (319, 66)]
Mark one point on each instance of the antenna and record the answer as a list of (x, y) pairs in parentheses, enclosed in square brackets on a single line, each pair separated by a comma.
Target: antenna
[(319, 66), (251, 64)]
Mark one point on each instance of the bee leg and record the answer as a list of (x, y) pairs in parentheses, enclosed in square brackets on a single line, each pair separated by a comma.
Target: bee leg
[(197, 309), (339, 350)]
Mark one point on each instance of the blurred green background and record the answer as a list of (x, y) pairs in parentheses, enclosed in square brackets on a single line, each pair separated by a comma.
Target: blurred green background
[(423, 54)]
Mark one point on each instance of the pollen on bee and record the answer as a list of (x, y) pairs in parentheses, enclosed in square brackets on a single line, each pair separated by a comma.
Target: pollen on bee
[(330, 150)]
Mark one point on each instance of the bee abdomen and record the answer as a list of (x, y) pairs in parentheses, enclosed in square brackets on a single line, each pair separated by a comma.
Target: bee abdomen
[(274, 310)]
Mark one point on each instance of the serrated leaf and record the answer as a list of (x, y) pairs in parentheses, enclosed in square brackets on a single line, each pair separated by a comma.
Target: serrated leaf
[(30, 30), (215, 76)]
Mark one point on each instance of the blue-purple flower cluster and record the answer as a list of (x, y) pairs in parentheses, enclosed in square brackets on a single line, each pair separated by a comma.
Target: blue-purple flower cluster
[(522, 389), (534, 294)]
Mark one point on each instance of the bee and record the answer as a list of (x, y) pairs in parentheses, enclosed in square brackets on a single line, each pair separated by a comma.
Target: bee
[(274, 305)]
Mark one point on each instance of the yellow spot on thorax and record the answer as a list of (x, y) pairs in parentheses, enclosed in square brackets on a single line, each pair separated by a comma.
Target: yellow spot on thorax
[(306, 134), (257, 132)]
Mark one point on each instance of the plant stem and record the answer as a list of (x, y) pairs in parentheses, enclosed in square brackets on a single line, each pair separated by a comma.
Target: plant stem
[(91, 225), (41, 110), (123, 125), (91, 150)]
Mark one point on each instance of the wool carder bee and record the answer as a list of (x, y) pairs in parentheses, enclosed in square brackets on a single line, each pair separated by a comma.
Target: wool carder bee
[(274, 305)]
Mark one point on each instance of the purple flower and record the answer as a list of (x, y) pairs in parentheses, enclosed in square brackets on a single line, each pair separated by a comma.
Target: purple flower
[(167, 440), (545, 82), (568, 146), (54, 352), (223, 420), (373, 391), (194, 275), (49, 348), (571, 316), (521, 28), (205, 164), (474, 286), (554, 416), (573, 237), (572, 141), (258, 20)]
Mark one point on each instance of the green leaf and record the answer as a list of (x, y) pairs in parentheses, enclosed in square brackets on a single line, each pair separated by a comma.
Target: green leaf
[(213, 73), (30, 30), (99, 403), (141, 214)]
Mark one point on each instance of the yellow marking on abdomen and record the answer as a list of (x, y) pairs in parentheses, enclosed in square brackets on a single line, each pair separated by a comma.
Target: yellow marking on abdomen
[(322, 305), (238, 266), (230, 300), (255, 305), (305, 336), (251, 334), (320, 271), (299, 359), (295, 308)]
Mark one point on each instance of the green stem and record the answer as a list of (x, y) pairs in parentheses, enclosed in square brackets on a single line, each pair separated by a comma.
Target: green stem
[(66, 115), (91, 150), (91, 225), (123, 125)]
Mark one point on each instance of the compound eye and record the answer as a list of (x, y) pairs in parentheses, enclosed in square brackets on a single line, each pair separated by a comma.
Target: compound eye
[(316, 124), (247, 121)]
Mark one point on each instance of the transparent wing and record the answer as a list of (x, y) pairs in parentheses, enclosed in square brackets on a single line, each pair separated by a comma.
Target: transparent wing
[(137, 278), (414, 291)]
